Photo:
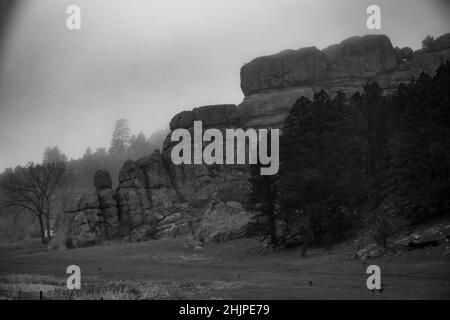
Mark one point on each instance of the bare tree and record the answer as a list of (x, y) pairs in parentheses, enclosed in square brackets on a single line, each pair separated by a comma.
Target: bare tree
[(33, 188)]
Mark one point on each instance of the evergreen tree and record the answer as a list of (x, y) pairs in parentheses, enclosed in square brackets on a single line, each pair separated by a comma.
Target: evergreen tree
[(120, 140), (263, 197), (52, 155), (421, 147), (138, 147), (320, 176), (375, 110), (87, 154)]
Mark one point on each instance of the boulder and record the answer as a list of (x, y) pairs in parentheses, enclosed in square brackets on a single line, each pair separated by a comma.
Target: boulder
[(235, 206), (370, 252), (222, 223), (142, 233), (430, 237), (406, 53)]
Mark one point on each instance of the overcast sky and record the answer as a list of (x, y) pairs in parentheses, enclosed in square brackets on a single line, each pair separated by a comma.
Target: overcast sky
[(146, 60)]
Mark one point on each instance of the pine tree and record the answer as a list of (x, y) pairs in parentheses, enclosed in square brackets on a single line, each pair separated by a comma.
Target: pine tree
[(138, 147), (263, 198), (120, 140), (53, 155), (320, 176), (87, 153), (421, 148)]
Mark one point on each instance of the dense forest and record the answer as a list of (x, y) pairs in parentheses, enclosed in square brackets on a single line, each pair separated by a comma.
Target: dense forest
[(34, 194), (388, 156)]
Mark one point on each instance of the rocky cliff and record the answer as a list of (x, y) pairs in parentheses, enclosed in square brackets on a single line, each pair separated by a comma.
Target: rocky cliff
[(156, 198), (273, 83)]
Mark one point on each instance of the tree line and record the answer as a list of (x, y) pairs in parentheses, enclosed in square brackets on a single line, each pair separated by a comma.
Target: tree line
[(340, 156)]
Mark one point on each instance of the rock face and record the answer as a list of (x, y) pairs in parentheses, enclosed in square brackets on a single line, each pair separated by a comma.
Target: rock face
[(273, 83), (83, 224), (89, 218), (156, 198), (215, 116), (147, 200), (357, 57)]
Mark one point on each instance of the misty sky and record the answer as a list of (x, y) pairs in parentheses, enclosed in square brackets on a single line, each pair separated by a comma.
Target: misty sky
[(146, 60)]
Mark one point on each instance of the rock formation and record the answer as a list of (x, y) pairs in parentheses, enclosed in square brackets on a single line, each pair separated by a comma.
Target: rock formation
[(147, 198), (427, 237), (273, 83), (89, 218), (156, 198)]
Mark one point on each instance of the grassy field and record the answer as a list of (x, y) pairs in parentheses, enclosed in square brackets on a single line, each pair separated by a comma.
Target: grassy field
[(166, 269)]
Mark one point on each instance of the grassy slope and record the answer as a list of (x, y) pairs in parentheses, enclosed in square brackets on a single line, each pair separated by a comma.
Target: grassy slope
[(237, 269)]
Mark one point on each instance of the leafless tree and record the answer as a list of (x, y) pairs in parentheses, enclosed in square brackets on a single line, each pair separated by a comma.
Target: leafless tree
[(33, 188)]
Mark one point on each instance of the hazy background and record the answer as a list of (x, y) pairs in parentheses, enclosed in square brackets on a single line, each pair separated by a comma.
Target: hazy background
[(146, 60)]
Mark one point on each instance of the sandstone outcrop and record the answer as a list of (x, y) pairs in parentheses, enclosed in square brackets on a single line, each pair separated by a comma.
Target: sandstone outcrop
[(356, 57), (159, 199), (215, 116), (82, 225), (89, 218), (273, 83)]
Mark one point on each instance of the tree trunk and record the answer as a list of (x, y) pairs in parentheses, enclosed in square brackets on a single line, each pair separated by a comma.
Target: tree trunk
[(49, 235), (41, 225)]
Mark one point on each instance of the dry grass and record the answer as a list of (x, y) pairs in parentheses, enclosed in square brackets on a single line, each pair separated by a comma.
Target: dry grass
[(24, 286), (165, 269)]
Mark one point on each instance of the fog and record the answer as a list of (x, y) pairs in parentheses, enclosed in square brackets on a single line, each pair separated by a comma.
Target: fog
[(146, 60)]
